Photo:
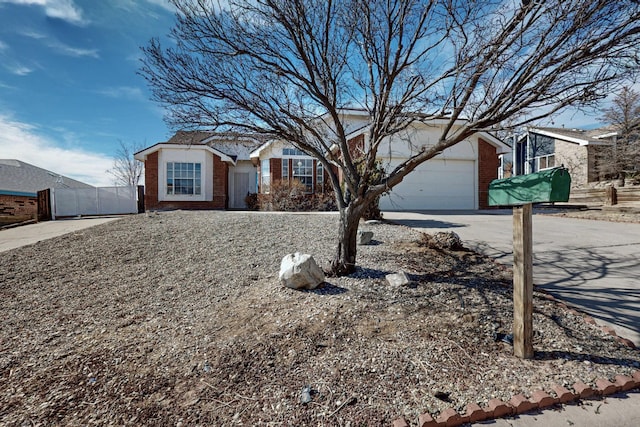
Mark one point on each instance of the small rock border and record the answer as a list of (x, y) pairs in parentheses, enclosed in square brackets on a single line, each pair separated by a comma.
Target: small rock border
[(540, 399)]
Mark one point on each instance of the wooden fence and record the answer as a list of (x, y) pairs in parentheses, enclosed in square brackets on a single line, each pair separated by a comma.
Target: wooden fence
[(598, 196)]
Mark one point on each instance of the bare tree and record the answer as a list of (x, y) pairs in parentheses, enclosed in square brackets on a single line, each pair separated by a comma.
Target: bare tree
[(126, 170), (623, 156), (285, 68)]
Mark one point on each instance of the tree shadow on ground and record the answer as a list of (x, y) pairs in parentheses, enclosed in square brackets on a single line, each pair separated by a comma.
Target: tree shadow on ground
[(599, 282), (369, 273), (500, 255), (327, 288), (426, 223), (581, 357)]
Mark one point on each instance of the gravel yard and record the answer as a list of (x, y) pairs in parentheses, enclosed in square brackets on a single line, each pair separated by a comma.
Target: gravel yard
[(178, 318)]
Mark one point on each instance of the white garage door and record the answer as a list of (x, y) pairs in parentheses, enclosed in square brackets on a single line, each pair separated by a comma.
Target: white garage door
[(435, 185)]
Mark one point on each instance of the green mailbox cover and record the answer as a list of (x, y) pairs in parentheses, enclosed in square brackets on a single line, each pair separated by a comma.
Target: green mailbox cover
[(550, 185)]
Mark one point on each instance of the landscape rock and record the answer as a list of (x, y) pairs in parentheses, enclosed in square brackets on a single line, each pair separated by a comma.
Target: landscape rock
[(364, 237), (398, 279), (300, 271), (305, 395), (447, 240)]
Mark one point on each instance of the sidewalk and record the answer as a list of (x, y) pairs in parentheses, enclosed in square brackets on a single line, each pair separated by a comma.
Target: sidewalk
[(12, 238), (619, 410)]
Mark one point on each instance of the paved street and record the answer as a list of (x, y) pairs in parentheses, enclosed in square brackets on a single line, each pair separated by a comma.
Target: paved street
[(593, 265)]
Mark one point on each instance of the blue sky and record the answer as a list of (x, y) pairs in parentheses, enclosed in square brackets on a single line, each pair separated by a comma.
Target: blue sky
[(69, 92)]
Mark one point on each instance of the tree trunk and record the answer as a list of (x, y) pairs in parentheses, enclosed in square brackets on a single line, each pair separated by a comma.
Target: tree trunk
[(345, 259)]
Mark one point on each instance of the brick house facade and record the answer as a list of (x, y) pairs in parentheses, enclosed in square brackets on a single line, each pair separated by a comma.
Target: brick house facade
[(222, 170), (199, 170), (219, 183)]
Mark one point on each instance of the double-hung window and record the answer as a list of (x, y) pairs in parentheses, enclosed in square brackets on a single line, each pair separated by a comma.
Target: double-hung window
[(303, 172), (184, 178)]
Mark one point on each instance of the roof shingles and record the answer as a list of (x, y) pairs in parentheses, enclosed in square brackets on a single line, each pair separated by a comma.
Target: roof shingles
[(17, 176)]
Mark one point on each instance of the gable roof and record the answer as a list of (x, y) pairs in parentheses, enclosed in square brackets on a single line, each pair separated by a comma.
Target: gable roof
[(487, 136), (20, 177), (600, 136), (229, 146)]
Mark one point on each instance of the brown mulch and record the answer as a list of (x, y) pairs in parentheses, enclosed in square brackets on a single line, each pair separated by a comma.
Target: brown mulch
[(179, 319)]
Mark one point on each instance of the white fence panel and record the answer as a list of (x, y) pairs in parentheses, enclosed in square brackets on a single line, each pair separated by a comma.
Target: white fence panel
[(94, 201), (117, 200)]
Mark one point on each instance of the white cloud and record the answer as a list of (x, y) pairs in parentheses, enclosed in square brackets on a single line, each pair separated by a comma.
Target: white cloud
[(73, 51), (3, 45), (32, 34), (60, 47), (18, 69), (21, 141), (123, 92), (163, 4), (60, 9)]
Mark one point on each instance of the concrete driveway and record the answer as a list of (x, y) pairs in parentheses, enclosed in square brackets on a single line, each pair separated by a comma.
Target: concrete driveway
[(592, 265), (12, 238)]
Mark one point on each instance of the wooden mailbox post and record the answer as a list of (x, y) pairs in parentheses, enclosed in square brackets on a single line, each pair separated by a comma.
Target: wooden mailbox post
[(551, 185)]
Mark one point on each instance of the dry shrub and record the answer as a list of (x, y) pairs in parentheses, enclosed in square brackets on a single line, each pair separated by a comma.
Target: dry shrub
[(251, 200), (292, 196)]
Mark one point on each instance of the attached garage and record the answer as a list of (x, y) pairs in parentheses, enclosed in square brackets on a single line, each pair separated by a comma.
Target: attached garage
[(435, 185), (456, 179)]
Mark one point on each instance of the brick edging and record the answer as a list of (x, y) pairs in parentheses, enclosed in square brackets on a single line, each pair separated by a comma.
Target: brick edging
[(539, 399), (519, 404)]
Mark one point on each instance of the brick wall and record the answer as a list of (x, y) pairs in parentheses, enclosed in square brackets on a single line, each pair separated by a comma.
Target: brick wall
[(356, 146), (276, 169), (17, 208), (151, 181), (488, 164), (220, 188), (220, 184)]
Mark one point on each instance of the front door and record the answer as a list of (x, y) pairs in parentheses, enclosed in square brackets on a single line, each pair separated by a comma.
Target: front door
[(240, 189)]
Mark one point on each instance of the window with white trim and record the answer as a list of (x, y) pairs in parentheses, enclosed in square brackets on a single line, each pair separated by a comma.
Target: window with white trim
[(285, 169), (292, 152), (545, 162), (303, 172), (540, 153), (184, 178), (265, 175)]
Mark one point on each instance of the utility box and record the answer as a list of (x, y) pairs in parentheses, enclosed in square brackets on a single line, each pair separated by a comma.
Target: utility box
[(550, 185)]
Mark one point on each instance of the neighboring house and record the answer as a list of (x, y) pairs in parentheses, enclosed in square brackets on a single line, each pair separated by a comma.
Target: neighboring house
[(578, 150), (203, 170), (199, 170), (19, 185)]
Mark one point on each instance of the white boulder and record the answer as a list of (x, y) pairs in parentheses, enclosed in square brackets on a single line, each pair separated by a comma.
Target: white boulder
[(300, 271), (398, 279)]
